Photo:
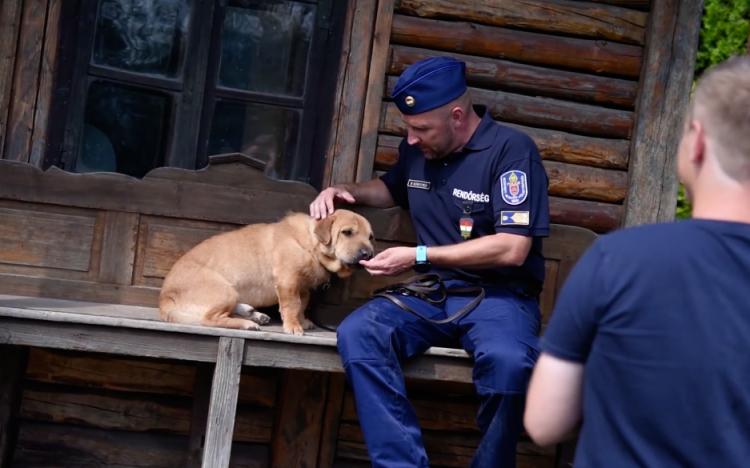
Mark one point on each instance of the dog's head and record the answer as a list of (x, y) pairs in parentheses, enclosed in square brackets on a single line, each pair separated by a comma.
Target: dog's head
[(346, 237)]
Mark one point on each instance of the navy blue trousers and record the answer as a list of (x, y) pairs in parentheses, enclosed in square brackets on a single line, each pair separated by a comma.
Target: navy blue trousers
[(501, 334)]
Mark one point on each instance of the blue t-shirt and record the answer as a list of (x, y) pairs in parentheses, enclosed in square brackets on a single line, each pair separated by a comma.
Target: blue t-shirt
[(500, 172), (660, 315)]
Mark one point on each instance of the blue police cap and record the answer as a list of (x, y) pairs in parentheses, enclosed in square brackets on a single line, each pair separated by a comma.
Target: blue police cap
[(428, 84)]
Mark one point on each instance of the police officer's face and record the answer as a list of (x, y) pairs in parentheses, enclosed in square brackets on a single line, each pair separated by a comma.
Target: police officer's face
[(431, 132)]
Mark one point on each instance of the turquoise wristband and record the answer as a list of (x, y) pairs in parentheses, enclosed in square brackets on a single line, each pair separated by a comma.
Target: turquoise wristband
[(421, 253)]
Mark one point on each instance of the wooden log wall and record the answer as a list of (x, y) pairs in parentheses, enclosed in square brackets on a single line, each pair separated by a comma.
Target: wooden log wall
[(566, 72)]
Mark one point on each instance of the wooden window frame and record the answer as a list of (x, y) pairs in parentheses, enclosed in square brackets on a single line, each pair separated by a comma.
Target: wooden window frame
[(195, 90)]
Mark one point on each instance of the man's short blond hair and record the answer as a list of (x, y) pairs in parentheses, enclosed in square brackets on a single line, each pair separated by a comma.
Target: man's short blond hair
[(721, 102)]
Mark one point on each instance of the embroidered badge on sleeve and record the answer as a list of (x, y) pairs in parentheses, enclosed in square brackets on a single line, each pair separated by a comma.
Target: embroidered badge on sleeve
[(514, 187)]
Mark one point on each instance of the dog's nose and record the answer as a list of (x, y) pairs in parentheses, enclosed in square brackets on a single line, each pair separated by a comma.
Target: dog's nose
[(365, 254)]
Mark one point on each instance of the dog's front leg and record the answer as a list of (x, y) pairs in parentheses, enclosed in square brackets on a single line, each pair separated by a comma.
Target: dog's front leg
[(291, 307), (305, 299)]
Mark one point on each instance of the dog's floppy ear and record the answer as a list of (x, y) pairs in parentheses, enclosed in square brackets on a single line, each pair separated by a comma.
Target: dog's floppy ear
[(323, 229)]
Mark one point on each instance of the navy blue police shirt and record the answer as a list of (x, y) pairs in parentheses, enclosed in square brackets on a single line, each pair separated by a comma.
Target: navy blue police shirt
[(500, 171), (660, 315)]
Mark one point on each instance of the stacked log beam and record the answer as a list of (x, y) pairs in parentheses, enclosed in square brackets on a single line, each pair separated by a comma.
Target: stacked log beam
[(100, 410), (565, 72)]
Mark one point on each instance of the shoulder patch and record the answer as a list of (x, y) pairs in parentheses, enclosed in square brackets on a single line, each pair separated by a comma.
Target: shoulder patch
[(515, 187), (514, 218)]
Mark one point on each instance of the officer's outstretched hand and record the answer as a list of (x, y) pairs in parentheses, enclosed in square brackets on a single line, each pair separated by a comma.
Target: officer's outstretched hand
[(390, 262), (322, 206)]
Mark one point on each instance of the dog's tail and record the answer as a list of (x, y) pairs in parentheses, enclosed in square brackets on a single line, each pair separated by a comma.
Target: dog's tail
[(167, 307)]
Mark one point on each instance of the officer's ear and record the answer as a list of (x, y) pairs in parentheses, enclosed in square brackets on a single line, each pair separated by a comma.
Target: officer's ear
[(323, 229), (457, 116)]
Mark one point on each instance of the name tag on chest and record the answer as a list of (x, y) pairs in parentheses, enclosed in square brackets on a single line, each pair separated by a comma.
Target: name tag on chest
[(418, 184)]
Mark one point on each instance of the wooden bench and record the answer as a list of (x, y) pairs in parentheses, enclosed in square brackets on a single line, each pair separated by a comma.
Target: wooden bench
[(83, 256)]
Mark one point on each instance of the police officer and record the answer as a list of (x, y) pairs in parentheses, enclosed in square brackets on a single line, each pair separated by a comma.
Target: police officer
[(477, 193)]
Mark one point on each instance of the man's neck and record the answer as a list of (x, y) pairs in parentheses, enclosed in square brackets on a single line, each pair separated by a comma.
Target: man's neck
[(723, 205)]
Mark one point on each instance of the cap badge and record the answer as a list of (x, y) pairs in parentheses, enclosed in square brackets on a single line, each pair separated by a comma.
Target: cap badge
[(409, 101)]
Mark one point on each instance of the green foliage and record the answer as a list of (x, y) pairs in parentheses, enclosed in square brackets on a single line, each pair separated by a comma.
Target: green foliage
[(683, 207), (724, 32)]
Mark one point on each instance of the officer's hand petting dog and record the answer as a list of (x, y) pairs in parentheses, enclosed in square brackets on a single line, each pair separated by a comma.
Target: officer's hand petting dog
[(323, 204)]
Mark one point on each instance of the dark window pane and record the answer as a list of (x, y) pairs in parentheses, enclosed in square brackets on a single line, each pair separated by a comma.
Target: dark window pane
[(265, 46), (144, 37), (124, 129), (266, 133)]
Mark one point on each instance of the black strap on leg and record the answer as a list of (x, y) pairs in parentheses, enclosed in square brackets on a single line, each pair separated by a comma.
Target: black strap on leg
[(422, 285)]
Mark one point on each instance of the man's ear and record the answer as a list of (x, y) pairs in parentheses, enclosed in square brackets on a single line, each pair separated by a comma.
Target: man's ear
[(699, 142), (323, 229)]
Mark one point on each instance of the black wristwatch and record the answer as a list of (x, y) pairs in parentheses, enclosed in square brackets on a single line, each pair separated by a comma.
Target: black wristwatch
[(421, 265)]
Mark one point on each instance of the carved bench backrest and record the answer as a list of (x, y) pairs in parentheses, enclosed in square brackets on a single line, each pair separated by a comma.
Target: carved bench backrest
[(111, 238)]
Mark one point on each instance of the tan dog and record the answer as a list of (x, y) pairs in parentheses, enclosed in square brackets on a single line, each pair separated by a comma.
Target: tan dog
[(261, 265)]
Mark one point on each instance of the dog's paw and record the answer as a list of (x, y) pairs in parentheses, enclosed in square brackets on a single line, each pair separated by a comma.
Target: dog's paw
[(295, 329), (307, 324), (244, 310), (249, 325), (260, 318)]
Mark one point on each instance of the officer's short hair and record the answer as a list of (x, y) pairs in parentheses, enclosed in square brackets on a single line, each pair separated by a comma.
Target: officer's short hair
[(721, 102)]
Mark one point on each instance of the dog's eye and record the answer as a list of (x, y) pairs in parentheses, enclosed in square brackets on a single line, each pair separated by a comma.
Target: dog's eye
[(347, 232), (372, 237)]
